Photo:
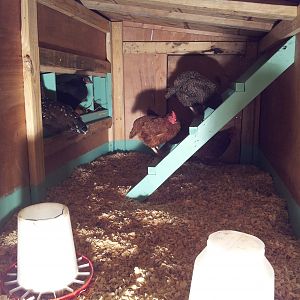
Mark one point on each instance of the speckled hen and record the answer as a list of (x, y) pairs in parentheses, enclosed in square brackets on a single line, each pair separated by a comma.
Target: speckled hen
[(192, 88), (58, 117)]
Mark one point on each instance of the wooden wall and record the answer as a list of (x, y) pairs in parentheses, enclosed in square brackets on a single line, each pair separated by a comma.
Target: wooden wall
[(60, 32), (147, 74), (279, 126), (13, 146)]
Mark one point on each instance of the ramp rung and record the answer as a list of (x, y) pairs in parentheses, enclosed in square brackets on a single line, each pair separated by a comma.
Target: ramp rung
[(151, 171), (239, 86)]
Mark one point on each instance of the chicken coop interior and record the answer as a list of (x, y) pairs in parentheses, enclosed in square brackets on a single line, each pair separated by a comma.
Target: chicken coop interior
[(157, 123)]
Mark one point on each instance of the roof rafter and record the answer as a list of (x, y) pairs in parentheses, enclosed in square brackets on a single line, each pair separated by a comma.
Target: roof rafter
[(227, 7), (280, 32), (190, 18)]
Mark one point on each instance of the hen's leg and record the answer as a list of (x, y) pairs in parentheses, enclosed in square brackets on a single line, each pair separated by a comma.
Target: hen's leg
[(155, 149)]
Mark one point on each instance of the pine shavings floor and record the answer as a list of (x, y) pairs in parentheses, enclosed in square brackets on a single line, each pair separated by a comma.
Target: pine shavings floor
[(147, 250)]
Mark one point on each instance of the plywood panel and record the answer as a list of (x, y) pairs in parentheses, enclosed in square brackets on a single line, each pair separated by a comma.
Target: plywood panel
[(60, 32), (145, 83), (13, 146), (65, 147), (279, 126)]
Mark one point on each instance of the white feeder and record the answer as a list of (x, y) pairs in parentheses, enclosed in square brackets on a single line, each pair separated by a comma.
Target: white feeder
[(232, 266), (46, 254)]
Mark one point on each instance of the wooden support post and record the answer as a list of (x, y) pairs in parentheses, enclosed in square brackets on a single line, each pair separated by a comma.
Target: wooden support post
[(32, 92), (118, 135)]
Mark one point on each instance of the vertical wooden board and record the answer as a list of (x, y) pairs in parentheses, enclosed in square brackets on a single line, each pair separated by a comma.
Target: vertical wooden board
[(250, 117), (223, 69), (14, 171), (279, 126), (145, 84), (117, 81), (32, 93), (60, 32)]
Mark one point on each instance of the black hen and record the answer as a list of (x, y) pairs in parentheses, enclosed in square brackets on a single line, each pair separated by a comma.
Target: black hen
[(211, 152), (71, 89), (58, 117)]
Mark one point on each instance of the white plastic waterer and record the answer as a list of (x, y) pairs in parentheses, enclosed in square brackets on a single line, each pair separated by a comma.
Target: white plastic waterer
[(46, 253), (46, 257), (232, 266)]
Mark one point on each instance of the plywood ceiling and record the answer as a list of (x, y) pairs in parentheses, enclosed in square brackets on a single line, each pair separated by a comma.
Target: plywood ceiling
[(224, 16)]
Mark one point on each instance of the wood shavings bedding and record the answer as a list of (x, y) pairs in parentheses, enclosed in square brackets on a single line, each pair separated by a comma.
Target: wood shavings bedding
[(147, 250)]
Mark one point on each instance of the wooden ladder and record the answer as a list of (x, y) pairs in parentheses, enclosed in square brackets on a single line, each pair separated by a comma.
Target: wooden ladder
[(245, 89)]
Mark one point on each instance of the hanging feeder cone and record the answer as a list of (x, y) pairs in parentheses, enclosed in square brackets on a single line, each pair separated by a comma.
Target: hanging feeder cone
[(47, 266)]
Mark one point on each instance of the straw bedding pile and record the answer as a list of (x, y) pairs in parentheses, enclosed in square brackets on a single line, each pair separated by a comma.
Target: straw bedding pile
[(147, 250)]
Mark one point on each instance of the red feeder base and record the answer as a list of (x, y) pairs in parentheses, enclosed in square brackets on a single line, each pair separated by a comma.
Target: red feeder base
[(83, 279)]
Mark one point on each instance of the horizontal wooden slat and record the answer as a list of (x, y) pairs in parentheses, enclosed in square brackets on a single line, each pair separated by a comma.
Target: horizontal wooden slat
[(281, 31), (183, 31), (179, 16), (78, 12), (184, 47), (185, 25), (65, 147), (63, 62), (64, 140), (215, 7)]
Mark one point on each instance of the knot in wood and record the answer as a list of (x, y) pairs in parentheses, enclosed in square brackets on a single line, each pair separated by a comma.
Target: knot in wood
[(27, 62)]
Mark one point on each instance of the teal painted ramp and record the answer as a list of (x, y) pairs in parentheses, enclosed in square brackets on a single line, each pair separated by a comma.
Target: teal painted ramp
[(246, 88)]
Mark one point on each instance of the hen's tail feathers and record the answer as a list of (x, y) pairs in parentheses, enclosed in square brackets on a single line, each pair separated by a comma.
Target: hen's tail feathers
[(133, 132), (170, 92)]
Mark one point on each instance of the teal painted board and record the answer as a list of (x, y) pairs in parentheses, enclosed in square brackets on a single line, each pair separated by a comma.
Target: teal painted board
[(293, 206), (100, 95), (9, 204), (93, 116), (256, 79), (108, 89), (89, 102), (64, 171), (48, 81)]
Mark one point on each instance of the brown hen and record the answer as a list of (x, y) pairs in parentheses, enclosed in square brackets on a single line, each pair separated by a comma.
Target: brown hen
[(154, 131)]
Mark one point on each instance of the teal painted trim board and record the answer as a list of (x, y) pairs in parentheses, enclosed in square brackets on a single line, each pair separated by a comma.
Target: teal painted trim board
[(63, 172), (282, 190), (19, 198)]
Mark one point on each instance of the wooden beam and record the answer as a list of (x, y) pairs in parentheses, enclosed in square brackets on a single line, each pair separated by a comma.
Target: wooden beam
[(219, 33), (78, 12), (185, 25), (178, 16), (216, 7), (184, 47), (68, 63), (32, 92), (281, 31), (118, 82)]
